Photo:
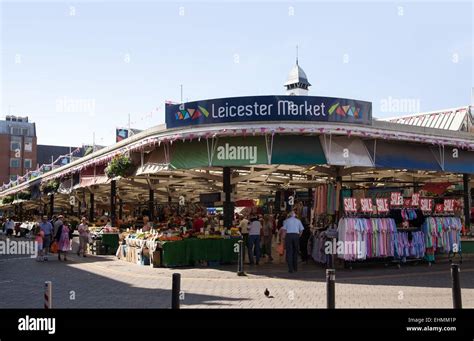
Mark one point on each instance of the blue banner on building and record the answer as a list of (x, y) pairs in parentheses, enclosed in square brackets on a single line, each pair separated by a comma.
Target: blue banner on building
[(268, 108)]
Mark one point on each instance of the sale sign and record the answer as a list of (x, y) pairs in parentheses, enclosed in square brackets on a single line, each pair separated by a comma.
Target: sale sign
[(396, 199), (366, 205), (415, 199), (406, 202), (426, 205), (350, 204), (382, 205), (439, 208), (449, 205)]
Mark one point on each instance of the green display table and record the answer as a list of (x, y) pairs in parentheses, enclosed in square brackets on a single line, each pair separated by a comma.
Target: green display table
[(191, 251), (110, 242), (467, 245)]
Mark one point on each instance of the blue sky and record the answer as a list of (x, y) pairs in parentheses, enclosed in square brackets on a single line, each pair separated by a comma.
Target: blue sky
[(111, 59)]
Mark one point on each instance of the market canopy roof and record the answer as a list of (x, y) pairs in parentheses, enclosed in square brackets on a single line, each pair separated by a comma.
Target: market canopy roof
[(395, 155), (346, 151)]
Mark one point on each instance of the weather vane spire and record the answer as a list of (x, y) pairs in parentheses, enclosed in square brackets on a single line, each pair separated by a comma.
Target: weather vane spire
[(296, 54)]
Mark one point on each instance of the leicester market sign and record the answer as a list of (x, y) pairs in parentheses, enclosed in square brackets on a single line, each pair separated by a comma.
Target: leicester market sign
[(268, 108)]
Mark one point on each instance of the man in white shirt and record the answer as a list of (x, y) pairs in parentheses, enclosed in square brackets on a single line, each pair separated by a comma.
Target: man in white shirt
[(254, 240), (244, 230), (294, 228)]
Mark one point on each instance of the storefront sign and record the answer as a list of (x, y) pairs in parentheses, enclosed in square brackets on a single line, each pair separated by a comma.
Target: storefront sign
[(449, 205), (396, 199), (415, 199), (382, 205), (350, 204), (439, 208), (366, 205), (268, 108), (407, 203), (426, 205)]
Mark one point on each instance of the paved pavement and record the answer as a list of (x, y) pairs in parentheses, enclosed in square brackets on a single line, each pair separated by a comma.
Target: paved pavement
[(104, 282)]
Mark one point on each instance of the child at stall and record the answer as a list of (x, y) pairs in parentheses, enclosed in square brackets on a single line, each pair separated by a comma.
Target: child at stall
[(39, 235)]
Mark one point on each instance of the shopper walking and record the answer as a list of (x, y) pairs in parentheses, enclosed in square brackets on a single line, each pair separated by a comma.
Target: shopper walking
[(294, 228), (39, 236), (254, 240), (9, 226), (64, 243), (83, 230), (244, 230), (57, 224), (267, 236), (47, 229)]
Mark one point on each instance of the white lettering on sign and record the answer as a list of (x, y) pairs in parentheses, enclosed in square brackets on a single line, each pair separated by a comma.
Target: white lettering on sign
[(415, 199), (382, 204), (366, 205), (448, 205), (426, 204), (228, 152), (286, 108), (181, 200), (396, 199), (72, 200), (350, 204)]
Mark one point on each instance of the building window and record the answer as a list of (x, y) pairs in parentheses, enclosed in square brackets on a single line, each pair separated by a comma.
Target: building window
[(27, 163), (28, 144), (15, 143), (13, 177), (15, 131), (24, 131), (14, 163)]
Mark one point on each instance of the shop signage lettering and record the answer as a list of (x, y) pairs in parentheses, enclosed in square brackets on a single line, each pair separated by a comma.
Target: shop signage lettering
[(439, 208), (396, 199), (426, 204), (366, 205), (449, 205), (350, 204), (268, 108), (415, 199), (407, 202), (228, 152), (382, 205)]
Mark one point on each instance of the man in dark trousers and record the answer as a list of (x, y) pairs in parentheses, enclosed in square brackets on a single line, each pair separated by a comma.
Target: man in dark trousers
[(294, 228)]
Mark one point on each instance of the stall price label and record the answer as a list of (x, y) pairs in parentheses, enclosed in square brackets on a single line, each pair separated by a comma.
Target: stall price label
[(415, 199), (366, 205), (439, 208), (426, 205), (449, 205), (396, 199), (350, 204), (382, 205)]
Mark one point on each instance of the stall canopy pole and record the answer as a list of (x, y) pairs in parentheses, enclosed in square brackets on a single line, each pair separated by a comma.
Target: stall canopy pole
[(228, 204), (51, 205), (120, 209), (91, 208), (113, 199), (467, 201), (151, 206), (78, 209)]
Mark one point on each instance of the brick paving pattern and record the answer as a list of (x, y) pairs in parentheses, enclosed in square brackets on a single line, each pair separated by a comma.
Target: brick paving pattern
[(104, 282)]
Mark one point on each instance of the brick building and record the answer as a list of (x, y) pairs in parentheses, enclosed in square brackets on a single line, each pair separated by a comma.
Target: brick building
[(17, 147)]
